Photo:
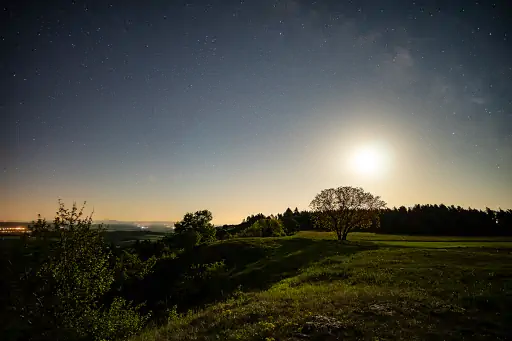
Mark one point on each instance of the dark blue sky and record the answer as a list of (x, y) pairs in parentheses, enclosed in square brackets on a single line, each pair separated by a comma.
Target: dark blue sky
[(151, 109)]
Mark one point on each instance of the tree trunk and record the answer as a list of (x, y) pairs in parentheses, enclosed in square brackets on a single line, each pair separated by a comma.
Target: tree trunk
[(345, 233), (338, 231)]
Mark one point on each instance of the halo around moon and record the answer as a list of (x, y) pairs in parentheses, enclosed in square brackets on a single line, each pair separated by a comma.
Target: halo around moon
[(369, 160)]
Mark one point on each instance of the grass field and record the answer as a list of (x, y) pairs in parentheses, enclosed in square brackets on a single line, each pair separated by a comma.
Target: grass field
[(374, 287), (417, 241)]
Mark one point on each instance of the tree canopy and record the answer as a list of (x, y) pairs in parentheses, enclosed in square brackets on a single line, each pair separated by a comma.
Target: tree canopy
[(345, 208), (197, 224), (445, 220)]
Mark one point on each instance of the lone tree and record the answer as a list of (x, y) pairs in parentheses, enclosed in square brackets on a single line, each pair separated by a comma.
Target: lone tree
[(344, 208), (197, 224)]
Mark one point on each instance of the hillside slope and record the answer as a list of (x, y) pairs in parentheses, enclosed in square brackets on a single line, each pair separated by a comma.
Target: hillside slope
[(310, 288)]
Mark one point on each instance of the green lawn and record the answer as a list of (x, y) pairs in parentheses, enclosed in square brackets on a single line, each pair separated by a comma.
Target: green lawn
[(392, 237), (417, 241), (310, 287)]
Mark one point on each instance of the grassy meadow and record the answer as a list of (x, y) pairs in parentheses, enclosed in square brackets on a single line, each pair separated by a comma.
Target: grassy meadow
[(373, 287)]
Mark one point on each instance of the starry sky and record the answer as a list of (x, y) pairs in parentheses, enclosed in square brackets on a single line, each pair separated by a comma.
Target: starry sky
[(150, 109)]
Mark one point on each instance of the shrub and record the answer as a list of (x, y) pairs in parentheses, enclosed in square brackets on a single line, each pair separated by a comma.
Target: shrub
[(265, 228), (62, 295)]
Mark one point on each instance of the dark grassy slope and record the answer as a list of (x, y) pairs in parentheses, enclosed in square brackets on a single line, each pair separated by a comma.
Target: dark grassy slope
[(310, 288), (219, 269)]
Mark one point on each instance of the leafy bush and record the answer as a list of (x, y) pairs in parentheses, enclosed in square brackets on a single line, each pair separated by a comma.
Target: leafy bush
[(117, 321), (223, 233), (63, 289), (265, 228)]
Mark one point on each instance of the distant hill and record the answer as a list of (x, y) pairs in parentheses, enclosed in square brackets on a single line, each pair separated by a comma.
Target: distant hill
[(155, 226), (13, 223), (164, 223), (111, 222), (139, 222)]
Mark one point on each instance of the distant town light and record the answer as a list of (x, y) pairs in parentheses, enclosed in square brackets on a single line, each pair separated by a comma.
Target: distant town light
[(14, 229)]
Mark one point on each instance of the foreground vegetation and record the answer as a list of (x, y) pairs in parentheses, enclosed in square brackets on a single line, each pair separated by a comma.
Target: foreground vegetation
[(267, 278), (310, 287)]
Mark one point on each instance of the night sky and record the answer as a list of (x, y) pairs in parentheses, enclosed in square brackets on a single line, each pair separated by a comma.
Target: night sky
[(149, 109)]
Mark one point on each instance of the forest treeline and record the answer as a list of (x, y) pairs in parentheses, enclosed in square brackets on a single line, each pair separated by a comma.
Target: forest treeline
[(442, 220), (433, 220)]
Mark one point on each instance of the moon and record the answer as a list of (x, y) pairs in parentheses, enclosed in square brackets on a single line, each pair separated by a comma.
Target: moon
[(369, 161)]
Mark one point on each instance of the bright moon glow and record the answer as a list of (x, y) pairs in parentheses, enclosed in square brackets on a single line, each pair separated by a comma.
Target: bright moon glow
[(369, 160)]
